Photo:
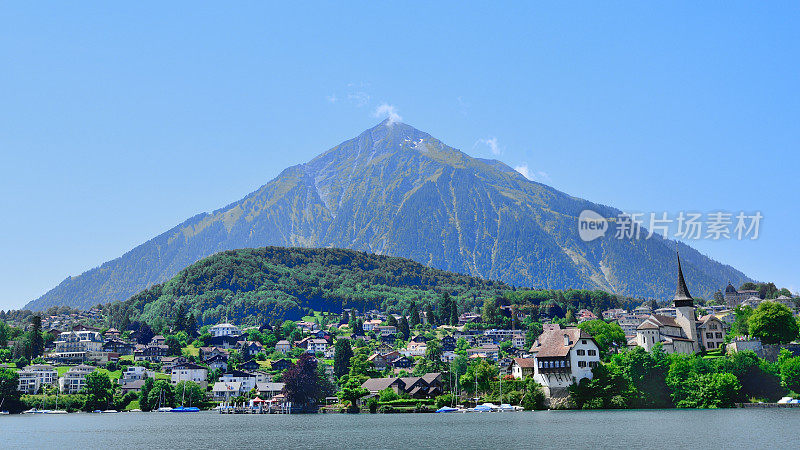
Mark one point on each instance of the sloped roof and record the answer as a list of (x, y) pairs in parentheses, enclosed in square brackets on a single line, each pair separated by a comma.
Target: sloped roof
[(526, 363), (682, 296), (551, 342), (379, 384)]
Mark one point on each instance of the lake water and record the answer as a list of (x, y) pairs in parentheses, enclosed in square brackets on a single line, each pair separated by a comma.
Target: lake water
[(735, 428)]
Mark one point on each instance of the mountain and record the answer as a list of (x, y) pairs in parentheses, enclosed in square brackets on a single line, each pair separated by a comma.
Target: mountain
[(395, 190), (261, 285)]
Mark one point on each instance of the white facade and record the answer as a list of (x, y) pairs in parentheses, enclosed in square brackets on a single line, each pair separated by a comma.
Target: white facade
[(33, 377), (74, 380), (563, 357), (225, 329), (190, 372)]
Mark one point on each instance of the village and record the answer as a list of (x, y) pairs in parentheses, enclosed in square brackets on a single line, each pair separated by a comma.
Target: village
[(373, 360)]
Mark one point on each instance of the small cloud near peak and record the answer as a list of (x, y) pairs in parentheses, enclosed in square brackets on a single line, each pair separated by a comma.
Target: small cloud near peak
[(531, 174), (492, 143), (390, 111)]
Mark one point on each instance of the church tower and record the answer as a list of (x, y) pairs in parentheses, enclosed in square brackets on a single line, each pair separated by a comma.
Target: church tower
[(684, 306)]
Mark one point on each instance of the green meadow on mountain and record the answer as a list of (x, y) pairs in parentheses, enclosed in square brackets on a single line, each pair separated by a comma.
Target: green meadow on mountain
[(395, 190)]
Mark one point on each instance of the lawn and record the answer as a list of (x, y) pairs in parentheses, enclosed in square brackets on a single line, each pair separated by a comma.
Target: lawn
[(134, 404), (190, 350)]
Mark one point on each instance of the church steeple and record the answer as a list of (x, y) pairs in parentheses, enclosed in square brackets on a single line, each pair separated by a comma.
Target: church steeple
[(682, 296)]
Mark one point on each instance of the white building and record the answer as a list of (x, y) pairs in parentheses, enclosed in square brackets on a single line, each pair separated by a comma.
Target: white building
[(189, 372), (283, 346), (33, 377), (133, 373), (74, 380), (225, 329), (562, 356), (246, 380)]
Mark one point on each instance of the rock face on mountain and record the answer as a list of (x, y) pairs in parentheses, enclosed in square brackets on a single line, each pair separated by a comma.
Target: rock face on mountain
[(398, 191)]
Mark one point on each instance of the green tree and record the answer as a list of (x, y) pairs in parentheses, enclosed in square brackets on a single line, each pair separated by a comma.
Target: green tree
[(712, 390), (144, 395), (403, 328), (34, 338), (570, 316), (161, 395), (429, 315), (790, 373), (189, 393), (490, 312), (341, 357), (391, 320), (99, 392), (534, 398), (301, 382), (413, 315), (9, 395), (351, 391), (174, 345), (607, 335), (453, 313), (773, 323), (444, 309)]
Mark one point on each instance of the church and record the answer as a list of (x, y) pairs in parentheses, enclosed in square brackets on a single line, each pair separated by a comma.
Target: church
[(677, 335)]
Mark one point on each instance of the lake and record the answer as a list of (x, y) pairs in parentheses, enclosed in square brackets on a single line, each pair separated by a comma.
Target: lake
[(738, 428)]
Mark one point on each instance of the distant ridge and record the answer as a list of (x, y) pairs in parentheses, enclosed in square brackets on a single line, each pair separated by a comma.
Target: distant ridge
[(398, 191)]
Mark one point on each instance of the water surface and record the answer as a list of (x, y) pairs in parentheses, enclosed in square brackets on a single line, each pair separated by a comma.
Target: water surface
[(736, 428)]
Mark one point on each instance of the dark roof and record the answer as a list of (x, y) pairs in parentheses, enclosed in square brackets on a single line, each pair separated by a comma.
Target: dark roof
[(682, 296), (188, 365), (379, 384), (730, 288), (431, 377)]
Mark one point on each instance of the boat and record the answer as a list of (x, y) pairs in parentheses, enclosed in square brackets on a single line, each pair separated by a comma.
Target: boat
[(33, 411), (482, 408), (97, 411), (56, 411), (4, 413), (185, 409), (135, 410), (447, 409), (164, 409), (110, 411), (505, 407)]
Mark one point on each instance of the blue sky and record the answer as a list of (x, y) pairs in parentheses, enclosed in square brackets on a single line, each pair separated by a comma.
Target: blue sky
[(117, 121)]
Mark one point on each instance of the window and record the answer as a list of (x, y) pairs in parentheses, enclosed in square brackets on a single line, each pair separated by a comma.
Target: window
[(583, 341), (581, 363), (593, 364), (719, 335), (709, 335), (592, 352), (581, 352)]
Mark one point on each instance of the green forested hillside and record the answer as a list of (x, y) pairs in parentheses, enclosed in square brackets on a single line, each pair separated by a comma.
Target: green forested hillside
[(266, 284)]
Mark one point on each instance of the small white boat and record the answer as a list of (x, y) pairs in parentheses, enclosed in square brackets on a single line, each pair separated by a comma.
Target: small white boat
[(4, 413), (505, 407), (164, 409), (32, 411), (135, 410), (110, 411), (57, 411)]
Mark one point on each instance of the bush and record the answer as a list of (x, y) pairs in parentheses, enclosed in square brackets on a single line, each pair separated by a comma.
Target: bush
[(372, 405), (444, 400)]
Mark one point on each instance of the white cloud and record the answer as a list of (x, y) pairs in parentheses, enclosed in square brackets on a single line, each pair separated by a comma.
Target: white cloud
[(526, 172), (385, 109), (492, 143)]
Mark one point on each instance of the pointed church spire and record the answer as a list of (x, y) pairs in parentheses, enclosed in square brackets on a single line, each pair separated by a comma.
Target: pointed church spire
[(682, 296)]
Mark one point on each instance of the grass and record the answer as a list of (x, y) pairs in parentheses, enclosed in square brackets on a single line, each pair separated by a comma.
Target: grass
[(126, 358), (190, 350), (134, 404)]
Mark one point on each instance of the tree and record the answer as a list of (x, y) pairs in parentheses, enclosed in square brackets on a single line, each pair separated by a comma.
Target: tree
[(189, 393), (712, 390), (773, 323), (403, 328), (429, 315), (490, 313), (9, 395), (740, 326), (352, 391), (607, 335), (341, 357), (35, 339), (790, 373), (534, 398), (144, 392), (453, 313), (300, 382), (413, 315), (391, 320), (174, 345), (444, 309), (161, 395), (99, 392), (145, 334), (569, 317)]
